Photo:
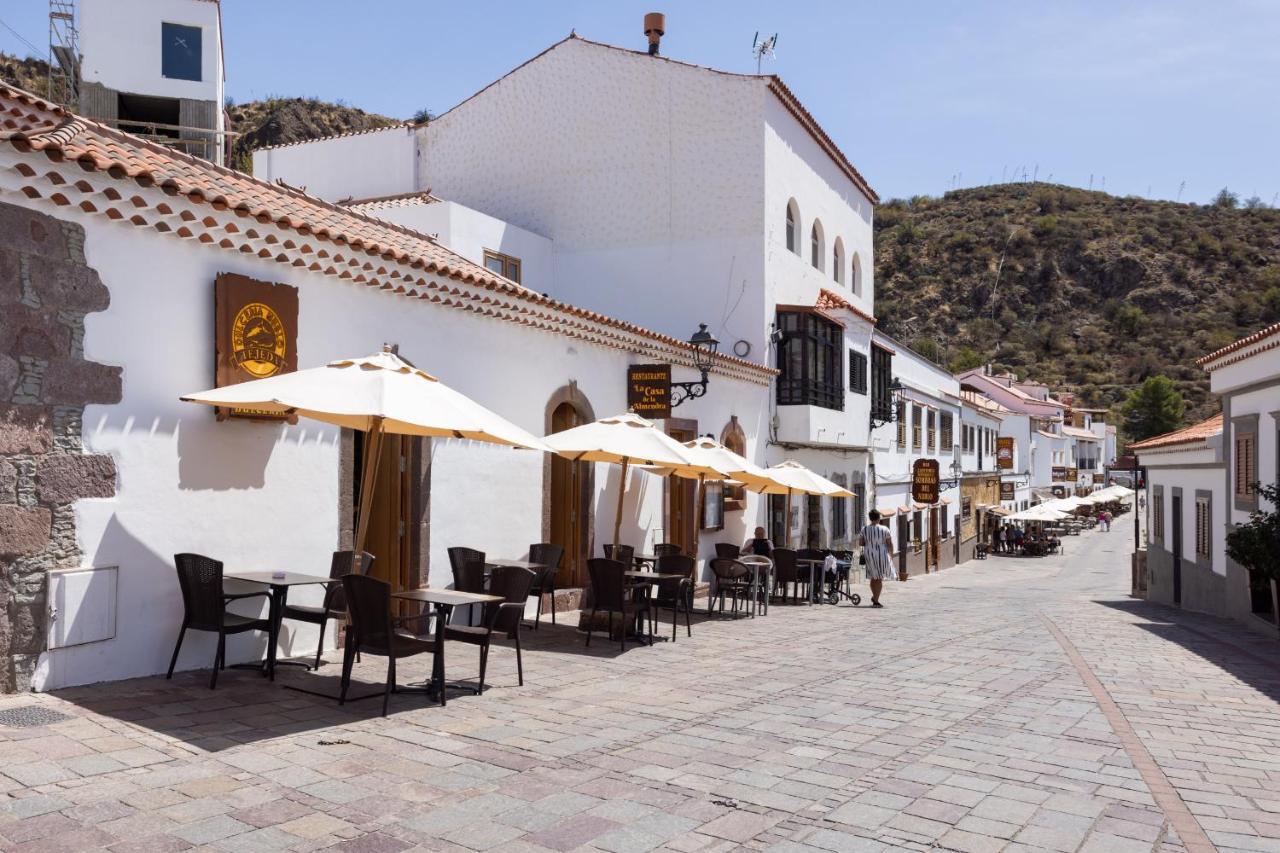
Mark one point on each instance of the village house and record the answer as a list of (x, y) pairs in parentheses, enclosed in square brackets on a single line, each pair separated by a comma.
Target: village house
[(671, 194), (118, 255)]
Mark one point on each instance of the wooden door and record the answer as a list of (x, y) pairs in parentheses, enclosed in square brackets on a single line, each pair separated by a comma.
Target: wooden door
[(568, 513), (388, 536), (1176, 529), (682, 502), (934, 553)]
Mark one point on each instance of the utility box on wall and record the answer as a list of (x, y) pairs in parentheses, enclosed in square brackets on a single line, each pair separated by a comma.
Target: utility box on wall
[(82, 606)]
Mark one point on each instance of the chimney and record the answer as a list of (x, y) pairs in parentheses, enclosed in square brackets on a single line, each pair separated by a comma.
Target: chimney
[(655, 25)]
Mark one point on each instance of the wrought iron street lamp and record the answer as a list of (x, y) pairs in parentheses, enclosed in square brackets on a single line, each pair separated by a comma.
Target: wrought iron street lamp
[(704, 351), (886, 415)]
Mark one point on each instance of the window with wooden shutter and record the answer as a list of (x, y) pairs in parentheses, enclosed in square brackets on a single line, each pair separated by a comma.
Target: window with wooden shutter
[(1202, 527), (917, 427), (1157, 515), (1246, 466), (933, 432), (902, 424), (948, 441), (857, 372)]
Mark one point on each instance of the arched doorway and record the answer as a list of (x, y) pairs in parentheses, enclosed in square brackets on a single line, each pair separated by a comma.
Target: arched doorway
[(569, 492)]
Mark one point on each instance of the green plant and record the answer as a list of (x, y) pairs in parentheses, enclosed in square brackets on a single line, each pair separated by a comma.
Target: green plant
[(1153, 408), (1255, 545), (1226, 198), (966, 358)]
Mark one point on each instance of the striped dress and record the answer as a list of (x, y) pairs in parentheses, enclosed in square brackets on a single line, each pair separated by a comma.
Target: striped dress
[(876, 550)]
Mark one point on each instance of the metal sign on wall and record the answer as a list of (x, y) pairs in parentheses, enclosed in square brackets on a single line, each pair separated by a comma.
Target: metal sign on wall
[(924, 481), (1006, 491), (256, 334), (1059, 474), (1004, 453), (649, 390)]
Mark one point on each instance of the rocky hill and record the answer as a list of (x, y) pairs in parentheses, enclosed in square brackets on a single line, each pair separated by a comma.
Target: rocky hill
[(1081, 290), (272, 121)]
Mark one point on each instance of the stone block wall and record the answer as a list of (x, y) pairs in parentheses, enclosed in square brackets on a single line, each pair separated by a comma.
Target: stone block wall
[(46, 289)]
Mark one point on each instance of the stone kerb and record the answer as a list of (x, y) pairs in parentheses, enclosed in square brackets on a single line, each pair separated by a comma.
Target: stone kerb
[(46, 289)]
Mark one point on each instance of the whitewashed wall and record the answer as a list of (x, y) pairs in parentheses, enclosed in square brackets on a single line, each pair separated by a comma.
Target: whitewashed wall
[(1189, 470), (470, 232), (361, 165), (120, 45), (260, 496)]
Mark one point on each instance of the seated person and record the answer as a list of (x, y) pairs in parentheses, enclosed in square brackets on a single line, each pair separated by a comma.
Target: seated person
[(758, 545)]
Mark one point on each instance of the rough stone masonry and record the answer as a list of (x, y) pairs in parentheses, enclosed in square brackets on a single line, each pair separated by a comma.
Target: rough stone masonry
[(46, 289)]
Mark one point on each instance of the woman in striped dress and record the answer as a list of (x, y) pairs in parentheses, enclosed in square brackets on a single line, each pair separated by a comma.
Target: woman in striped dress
[(877, 552)]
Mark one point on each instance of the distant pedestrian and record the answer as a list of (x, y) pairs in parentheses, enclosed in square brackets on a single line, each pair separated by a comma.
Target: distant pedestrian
[(1002, 539), (1019, 537), (1109, 516), (877, 553), (1102, 519)]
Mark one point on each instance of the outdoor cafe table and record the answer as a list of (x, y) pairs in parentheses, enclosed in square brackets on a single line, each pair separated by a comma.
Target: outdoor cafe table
[(757, 563), (652, 578), (443, 600), (279, 582), (815, 568)]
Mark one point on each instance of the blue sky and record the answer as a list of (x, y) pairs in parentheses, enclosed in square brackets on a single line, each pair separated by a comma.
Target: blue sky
[(921, 95)]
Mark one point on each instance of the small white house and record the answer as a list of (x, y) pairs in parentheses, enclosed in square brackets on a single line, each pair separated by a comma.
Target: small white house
[(1247, 376), (1185, 560)]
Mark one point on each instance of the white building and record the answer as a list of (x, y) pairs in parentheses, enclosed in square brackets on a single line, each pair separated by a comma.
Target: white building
[(674, 195), (926, 425), (1247, 376), (155, 67), (112, 475), (1185, 562)]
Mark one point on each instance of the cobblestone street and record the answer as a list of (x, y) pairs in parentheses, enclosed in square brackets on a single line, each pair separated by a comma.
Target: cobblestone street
[(1007, 704)]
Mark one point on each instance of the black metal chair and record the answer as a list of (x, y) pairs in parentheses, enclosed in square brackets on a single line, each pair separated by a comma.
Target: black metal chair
[(728, 551), (676, 593), (612, 593), (786, 573), (204, 608), (548, 554), (513, 584), (624, 554), (335, 598), (468, 573), (731, 577), (667, 549), (373, 631)]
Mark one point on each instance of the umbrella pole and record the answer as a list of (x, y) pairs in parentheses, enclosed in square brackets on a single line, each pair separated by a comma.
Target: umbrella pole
[(787, 529), (697, 512), (622, 490), (372, 456)]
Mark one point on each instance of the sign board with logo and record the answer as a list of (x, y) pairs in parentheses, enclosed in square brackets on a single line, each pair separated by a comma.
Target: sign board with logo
[(924, 481), (1058, 491), (649, 390), (1098, 478), (1059, 474), (1073, 474), (256, 333), (1004, 453), (1006, 491)]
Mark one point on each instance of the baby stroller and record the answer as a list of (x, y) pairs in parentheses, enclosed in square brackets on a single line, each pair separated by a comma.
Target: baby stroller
[(836, 570)]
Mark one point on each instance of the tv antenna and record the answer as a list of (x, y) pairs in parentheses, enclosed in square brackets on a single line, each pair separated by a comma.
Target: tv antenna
[(763, 47)]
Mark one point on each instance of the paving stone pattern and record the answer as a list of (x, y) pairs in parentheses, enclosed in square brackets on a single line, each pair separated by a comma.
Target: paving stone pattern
[(953, 719)]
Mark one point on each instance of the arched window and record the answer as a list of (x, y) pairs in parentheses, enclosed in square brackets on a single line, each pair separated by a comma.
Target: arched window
[(837, 262), (855, 274), (815, 243), (793, 226)]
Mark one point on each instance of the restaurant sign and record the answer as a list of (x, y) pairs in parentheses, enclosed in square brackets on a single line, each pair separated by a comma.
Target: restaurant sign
[(256, 335), (1004, 453), (924, 481), (1059, 474), (1098, 478), (649, 390), (1007, 491)]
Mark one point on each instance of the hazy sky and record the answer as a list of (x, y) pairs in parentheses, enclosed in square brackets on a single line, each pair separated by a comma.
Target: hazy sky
[(920, 95)]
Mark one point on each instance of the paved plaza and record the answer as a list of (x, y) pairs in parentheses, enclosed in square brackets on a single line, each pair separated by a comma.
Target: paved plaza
[(1007, 704)]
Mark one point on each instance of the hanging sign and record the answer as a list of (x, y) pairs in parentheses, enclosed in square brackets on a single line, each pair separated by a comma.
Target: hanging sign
[(1059, 474), (649, 390), (924, 481), (1098, 479), (256, 335), (1006, 491), (1004, 453)]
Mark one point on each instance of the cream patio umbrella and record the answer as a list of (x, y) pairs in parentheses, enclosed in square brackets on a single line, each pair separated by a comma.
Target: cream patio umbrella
[(713, 461), (379, 394), (787, 478), (1037, 513), (624, 440)]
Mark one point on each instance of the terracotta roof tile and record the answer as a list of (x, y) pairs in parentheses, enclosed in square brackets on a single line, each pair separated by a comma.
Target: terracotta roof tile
[(1187, 435), (364, 131), (1257, 336), (389, 201), (343, 242), (829, 300)]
